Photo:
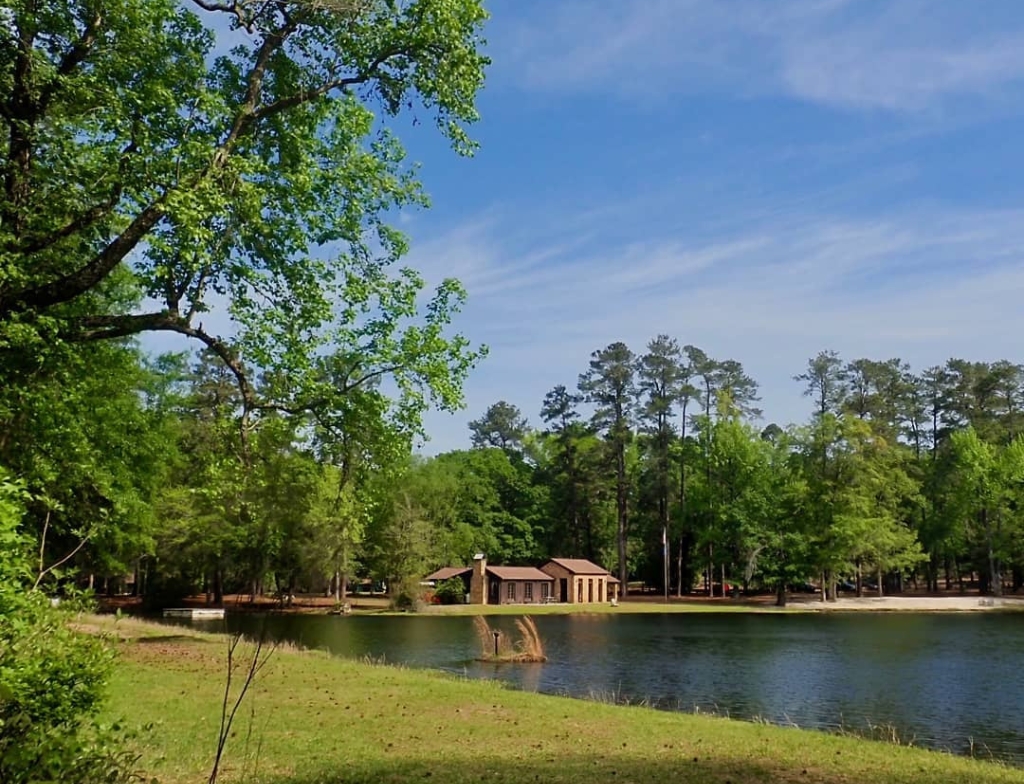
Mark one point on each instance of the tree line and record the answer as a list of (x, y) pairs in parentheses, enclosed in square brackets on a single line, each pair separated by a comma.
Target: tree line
[(656, 465)]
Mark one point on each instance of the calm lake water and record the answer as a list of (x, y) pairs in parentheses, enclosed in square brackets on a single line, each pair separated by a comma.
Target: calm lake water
[(943, 680)]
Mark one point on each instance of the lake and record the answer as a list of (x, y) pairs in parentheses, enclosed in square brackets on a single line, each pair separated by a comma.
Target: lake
[(942, 680)]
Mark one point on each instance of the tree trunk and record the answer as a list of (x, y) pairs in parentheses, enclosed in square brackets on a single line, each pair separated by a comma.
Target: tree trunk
[(679, 568), (711, 570), (218, 587), (824, 596), (860, 580), (664, 554), (620, 503), (880, 588), (995, 579), (780, 595), (683, 542)]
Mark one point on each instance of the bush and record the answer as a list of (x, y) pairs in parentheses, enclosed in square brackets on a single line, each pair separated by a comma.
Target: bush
[(51, 678), (450, 591), (405, 600)]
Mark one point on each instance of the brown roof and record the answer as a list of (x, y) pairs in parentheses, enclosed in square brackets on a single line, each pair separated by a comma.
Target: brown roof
[(447, 572), (519, 573), (579, 566), (613, 579)]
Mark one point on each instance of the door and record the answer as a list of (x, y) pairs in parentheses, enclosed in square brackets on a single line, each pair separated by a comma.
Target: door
[(564, 587)]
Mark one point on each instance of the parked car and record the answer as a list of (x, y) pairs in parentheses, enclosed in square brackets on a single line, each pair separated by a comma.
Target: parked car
[(804, 587)]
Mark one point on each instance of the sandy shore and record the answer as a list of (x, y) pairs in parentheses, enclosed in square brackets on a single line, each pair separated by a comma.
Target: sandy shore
[(924, 603)]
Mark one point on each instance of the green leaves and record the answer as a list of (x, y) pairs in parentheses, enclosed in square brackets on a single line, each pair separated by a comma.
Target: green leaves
[(51, 677)]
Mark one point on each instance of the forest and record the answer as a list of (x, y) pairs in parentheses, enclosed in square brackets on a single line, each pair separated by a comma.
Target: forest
[(658, 465)]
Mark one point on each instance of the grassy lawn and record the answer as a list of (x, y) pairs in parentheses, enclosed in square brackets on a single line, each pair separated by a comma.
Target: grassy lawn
[(314, 719)]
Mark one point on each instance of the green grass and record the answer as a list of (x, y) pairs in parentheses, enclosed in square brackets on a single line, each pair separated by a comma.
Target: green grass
[(315, 719)]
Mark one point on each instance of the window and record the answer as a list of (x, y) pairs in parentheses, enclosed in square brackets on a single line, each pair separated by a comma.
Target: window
[(579, 590), (528, 592), (545, 591), (590, 590), (510, 592), (600, 589)]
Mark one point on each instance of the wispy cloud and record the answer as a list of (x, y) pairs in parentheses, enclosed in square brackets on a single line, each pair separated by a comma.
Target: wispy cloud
[(905, 56), (922, 284)]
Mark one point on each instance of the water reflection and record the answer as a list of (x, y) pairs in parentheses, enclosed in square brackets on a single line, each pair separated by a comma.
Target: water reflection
[(944, 680)]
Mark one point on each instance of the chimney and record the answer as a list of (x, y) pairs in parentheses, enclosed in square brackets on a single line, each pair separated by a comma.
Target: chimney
[(478, 580)]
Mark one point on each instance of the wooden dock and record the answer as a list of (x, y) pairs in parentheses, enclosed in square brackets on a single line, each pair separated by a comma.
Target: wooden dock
[(195, 613)]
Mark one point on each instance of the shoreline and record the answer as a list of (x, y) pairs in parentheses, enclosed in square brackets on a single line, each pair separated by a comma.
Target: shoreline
[(803, 603)]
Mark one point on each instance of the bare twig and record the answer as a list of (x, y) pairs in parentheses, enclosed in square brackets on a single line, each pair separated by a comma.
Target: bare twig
[(227, 717), (61, 562)]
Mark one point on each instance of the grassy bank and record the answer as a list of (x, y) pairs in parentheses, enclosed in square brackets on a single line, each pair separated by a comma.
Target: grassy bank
[(321, 719)]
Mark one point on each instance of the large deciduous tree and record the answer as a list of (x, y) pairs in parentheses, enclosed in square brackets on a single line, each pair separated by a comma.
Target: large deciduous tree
[(226, 155)]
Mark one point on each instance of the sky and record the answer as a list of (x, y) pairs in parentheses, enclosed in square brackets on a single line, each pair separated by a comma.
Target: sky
[(764, 180)]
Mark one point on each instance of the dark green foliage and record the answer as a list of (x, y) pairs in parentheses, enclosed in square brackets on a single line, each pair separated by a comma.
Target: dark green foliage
[(51, 677), (502, 426), (451, 591)]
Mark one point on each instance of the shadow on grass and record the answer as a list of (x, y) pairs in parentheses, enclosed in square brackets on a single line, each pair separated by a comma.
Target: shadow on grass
[(620, 768), (165, 638)]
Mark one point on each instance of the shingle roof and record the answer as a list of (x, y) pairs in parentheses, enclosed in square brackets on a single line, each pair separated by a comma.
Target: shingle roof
[(519, 573), (579, 566), (447, 572)]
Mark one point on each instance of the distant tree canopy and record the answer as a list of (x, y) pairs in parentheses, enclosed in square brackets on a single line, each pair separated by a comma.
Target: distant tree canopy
[(502, 425)]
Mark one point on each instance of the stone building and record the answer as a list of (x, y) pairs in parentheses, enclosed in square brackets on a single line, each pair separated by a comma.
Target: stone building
[(579, 581)]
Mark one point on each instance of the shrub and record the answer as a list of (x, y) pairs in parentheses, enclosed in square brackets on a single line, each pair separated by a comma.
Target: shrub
[(51, 678), (450, 591)]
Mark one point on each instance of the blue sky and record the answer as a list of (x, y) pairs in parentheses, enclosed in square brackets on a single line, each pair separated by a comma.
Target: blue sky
[(761, 179)]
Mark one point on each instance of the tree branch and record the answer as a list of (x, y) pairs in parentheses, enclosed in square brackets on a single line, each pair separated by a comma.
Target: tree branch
[(83, 221), (92, 328), (246, 116), (230, 8), (82, 280), (61, 562), (370, 376), (304, 96)]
